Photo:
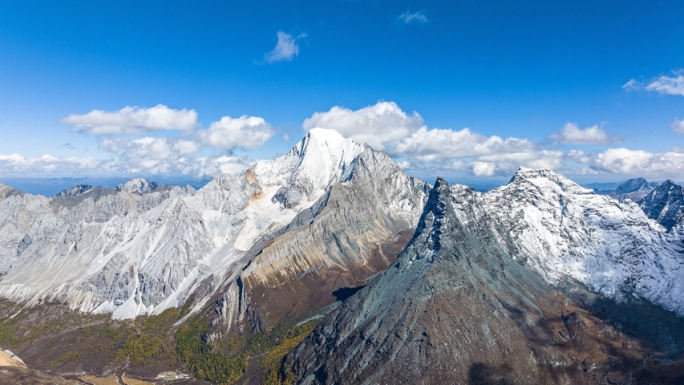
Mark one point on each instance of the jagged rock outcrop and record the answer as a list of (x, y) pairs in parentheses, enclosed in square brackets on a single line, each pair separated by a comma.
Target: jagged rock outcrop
[(456, 308), (665, 204)]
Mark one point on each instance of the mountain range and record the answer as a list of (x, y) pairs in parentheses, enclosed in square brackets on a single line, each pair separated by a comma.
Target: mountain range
[(530, 282)]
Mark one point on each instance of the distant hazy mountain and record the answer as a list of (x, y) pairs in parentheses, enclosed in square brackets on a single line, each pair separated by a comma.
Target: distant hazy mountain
[(52, 186), (634, 189)]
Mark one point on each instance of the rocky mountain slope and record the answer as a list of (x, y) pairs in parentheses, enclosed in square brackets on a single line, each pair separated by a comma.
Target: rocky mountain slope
[(456, 308), (352, 233), (141, 248), (665, 204), (566, 232), (247, 254)]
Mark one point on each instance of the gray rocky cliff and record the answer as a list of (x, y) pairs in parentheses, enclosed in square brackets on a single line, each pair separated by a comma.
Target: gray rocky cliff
[(455, 308), (665, 204)]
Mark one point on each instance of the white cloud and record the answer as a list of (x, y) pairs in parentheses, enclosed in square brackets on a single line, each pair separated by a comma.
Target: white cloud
[(417, 17), (632, 84), (248, 132), (17, 164), (670, 85), (150, 155), (213, 167), (186, 147), (171, 155), (376, 125), (678, 126), (404, 165), (441, 144), (593, 135), (286, 48), (133, 120), (638, 162), (483, 168), (508, 163), (384, 126)]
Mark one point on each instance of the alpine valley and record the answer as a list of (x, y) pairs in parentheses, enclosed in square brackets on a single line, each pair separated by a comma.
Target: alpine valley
[(329, 265)]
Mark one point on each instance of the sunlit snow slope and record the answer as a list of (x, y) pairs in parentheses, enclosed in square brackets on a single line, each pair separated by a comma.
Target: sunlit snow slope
[(563, 230), (132, 250)]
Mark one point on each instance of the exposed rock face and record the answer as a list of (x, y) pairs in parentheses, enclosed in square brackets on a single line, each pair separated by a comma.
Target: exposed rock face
[(665, 204), (140, 248), (564, 231), (7, 192), (456, 308), (353, 232), (634, 189)]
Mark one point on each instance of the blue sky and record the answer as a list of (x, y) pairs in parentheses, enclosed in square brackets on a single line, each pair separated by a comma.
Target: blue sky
[(540, 73)]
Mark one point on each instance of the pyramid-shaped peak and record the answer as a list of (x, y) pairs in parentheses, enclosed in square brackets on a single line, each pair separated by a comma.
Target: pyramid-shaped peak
[(632, 185), (441, 184), (319, 133), (138, 185)]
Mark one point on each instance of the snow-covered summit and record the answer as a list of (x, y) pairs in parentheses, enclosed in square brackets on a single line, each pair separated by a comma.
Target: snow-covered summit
[(322, 157), (546, 177), (563, 230), (138, 186), (140, 248), (665, 204)]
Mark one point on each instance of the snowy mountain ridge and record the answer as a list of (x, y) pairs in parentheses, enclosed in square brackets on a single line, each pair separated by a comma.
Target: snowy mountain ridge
[(134, 250), (563, 230), (140, 248)]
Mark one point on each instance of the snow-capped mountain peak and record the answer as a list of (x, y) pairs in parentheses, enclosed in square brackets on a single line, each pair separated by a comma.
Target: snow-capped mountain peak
[(665, 204), (140, 248), (322, 157), (563, 230), (138, 186)]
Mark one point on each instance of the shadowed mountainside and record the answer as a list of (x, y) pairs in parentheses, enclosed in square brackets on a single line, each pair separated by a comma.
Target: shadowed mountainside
[(455, 308)]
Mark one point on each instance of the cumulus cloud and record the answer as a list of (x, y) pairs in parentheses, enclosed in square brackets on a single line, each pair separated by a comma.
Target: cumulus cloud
[(417, 17), (678, 126), (248, 132), (639, 162), (150, 155), (384, 126), (212, 167), (133, 120), (17, 164), (594, 135), (376, 125), (483, 168), (132, 153), (441, 144), (669, 85), (286, 48), (404, 165)]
